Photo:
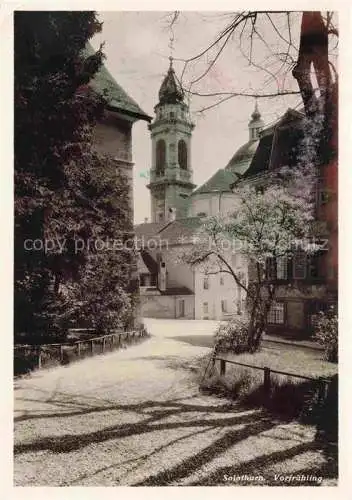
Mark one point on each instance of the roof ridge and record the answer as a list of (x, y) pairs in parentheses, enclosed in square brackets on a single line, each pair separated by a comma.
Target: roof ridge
[(166, 225), (115, 95)]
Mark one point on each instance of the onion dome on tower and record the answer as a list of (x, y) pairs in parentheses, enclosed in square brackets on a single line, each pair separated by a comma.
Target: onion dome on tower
[(170, 91)]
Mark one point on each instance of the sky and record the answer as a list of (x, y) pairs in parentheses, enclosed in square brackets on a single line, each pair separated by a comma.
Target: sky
[(137, 48)]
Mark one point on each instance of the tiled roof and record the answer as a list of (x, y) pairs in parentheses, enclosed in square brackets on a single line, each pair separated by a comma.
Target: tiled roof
[(181, 230), (220, 181), (106, 86), (148, 229), (174, 232)]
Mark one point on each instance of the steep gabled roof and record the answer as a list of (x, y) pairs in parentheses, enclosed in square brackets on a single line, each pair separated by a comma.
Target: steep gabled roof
[(289, 116), (146, 264), (278, 144), (105, 85), (220, 181)]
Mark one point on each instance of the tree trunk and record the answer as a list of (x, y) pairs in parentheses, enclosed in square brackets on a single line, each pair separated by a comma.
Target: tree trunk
[(314, 51), (258, 320)]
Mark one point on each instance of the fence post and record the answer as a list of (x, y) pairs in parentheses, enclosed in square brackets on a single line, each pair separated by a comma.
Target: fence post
[(78, 349), (222, 367), (103, 345), (39, 358), (119, 339), (267, 381), (91, 346)]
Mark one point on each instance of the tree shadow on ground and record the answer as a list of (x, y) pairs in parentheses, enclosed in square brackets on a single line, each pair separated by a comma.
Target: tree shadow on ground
[(254, 426), (234, 428), (70, 442), (257, 466), (138, 459)]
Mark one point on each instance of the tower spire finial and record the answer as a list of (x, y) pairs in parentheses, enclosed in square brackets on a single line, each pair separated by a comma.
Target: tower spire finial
[(171, 47), (256, 113)]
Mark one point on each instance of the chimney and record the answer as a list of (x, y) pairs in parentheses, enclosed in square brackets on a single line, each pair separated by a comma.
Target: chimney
[(172, 214)]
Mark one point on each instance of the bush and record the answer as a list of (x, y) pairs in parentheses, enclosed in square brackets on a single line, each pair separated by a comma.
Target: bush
[(232, 336), (236, 386), (326, 333), (287, 398)]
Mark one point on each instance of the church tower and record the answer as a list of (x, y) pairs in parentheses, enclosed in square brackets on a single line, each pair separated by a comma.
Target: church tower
[(256, 124), (171, 132)]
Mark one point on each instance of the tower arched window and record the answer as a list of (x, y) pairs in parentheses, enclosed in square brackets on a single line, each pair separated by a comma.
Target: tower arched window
[(160, 157), (182, 154)]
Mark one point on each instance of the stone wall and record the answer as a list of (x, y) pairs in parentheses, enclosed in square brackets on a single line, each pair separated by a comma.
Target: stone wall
[(167, 306)]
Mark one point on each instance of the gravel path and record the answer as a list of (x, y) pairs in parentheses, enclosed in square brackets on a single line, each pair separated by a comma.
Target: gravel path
[(136, 417)]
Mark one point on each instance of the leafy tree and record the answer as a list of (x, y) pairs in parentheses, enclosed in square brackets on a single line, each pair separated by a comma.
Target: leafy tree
[(326, 333), (264, 223), (64, 191)]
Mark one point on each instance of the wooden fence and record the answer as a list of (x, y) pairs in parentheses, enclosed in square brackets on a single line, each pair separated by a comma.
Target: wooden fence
[(267, 380), (30, 357)]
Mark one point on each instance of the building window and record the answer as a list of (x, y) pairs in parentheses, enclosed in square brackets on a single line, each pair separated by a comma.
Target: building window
[(145, 280), (222, 281), (223, 306), (276, 269), (300, 265), (181, 308), (205, 308), (182, 154), (281, 268), (206, 283), (160, 157), (276, 314), (270, 268), (239, 306), (324, 196), (201, 214), (234, 260), (313, 266)]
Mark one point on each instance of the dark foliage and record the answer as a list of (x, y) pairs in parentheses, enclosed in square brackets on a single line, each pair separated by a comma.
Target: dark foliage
[(64, 191)]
